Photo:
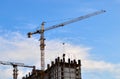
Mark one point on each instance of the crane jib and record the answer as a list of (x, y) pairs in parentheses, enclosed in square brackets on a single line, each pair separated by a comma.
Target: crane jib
[(75, 20)]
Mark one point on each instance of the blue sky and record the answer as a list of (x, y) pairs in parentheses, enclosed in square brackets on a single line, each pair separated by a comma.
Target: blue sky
[(94, 40)]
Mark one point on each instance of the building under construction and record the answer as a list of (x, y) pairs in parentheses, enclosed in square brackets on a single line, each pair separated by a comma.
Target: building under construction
[(59, 69)]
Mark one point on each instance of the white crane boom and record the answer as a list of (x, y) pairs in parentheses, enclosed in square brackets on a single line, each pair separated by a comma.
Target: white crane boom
[(42, 30), (75, 20)]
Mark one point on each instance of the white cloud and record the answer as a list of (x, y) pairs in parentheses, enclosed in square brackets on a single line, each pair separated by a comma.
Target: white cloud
[(71, 51), (20, 49), (5, 73)]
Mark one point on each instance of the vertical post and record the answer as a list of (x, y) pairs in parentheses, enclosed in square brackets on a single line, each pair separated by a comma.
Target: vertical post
[(42, 47), (79, 62), (69, 68), (15, 70)]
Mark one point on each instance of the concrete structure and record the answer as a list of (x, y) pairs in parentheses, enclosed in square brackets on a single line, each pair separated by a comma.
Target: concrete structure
[(60, 69)]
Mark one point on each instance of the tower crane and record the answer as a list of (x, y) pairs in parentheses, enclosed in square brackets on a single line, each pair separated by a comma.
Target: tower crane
[(15, 65), (42, 30)]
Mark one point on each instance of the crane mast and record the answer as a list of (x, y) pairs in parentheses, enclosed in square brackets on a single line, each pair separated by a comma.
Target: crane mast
[(15, 65), (42, 30), (42, 47)]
